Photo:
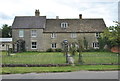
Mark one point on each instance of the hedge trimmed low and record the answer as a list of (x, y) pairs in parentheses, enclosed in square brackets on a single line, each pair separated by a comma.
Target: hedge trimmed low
[(47, 65), (34, 65)]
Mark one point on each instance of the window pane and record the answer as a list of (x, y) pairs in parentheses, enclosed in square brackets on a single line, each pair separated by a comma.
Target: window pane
[(53, 35), (64, 25), (73, 35), (97, 34), (21, 33), (95, 44), (53, 45), (34, 44), (33, 33)]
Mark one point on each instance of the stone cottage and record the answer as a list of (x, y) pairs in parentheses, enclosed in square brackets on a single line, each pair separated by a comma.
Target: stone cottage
[(37, 33)]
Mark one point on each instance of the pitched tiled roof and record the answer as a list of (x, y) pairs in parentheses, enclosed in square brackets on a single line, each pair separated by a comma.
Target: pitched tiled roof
[(54, 25), (29, 22), (75, 25)]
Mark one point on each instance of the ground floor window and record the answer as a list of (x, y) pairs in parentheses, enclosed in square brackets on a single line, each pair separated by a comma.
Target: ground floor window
[(34, 45), (53, 45), (95, 45), (3, 45)]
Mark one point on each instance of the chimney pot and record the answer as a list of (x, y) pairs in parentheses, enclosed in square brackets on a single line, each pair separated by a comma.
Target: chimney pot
[(37, 13), (80, 16), (57, 17)]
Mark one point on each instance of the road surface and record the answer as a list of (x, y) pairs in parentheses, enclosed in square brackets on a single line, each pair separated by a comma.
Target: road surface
[(65, 75)]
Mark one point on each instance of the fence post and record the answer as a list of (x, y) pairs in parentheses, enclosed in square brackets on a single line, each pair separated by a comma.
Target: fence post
[(7, 49)]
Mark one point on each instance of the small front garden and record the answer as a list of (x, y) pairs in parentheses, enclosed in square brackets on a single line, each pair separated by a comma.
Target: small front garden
[(59, 58), (92, 61)]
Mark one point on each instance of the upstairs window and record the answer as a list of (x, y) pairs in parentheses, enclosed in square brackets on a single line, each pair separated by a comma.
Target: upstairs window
[(33, 33), (21, 33), (97, 34), (53, 35), (73, 35), (64, 25)]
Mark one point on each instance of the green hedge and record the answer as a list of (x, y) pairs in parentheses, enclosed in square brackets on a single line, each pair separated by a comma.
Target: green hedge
[(54, 50)]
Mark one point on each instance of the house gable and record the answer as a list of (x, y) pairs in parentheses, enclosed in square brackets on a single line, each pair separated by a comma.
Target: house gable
[(26, 22)]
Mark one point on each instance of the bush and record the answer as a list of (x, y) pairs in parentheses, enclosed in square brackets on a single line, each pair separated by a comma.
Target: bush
[(58, 50), (54, 50), (96, 50), (49, 50), (10, 50), (91, 50)]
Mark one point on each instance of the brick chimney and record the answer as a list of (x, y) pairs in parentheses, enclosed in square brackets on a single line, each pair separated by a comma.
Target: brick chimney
[(80, 16), (57, 17), (37, 13)]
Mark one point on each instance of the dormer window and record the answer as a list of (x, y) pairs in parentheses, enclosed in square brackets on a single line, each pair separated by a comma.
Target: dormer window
[(64, 25)]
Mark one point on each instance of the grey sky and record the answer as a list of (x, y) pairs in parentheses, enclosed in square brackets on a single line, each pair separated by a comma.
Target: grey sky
[(107, 9)]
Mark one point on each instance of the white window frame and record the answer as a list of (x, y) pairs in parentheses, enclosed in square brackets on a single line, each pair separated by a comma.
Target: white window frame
[(54, 45), (3, 45), (21, 33), (95, 45), (53, 35), (33, 45), (73, 35), (64, 25), (97, 34), (33, 33)]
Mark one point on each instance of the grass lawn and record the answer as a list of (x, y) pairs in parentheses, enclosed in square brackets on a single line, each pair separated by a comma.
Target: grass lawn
[(58, 58), (34, 58), (16, 70)]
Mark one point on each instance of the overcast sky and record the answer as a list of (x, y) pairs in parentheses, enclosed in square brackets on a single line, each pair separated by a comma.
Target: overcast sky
[(106, 9)]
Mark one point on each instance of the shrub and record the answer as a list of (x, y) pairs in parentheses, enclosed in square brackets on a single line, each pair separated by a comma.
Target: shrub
[(96, 50), (49, 50), (58, 50), (91, 50), (10, 50)]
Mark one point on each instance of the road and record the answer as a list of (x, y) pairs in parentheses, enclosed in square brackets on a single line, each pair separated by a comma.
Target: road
[(66, 75)]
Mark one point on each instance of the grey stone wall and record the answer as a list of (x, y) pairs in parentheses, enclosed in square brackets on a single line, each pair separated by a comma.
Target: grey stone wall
[(90, 37), (28, 39), (44, 40)]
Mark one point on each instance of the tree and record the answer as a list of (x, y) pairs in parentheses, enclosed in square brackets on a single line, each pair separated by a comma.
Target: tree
[(6, 31), (112, 35), (73, 48), (80, 49), (85, 43), (65, 48), (102, 42)]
